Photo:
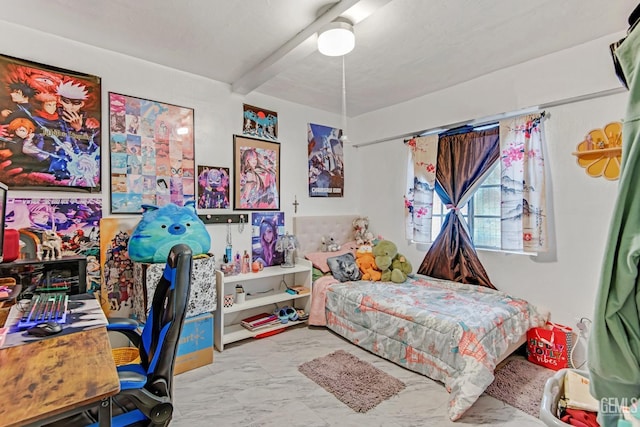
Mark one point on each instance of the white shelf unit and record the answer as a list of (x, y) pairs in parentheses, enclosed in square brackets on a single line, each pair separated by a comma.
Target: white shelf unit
[(264, 289)]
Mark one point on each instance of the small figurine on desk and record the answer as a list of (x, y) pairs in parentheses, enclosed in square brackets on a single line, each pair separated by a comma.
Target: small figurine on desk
[(51, 245)]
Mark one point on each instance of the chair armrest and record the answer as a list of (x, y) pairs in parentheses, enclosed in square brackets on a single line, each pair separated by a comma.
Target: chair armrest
[(120, 323), (127, 327)]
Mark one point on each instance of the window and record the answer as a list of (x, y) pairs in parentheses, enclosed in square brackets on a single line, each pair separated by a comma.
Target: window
[(482, 212)]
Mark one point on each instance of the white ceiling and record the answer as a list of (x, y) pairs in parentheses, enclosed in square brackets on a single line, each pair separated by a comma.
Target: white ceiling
[(404, 48)]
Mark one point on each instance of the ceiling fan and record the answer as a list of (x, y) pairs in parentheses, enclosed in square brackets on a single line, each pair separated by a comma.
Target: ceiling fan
[(338, 39)]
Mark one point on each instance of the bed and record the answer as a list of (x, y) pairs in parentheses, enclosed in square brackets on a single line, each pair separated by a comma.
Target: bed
[(450, 332)]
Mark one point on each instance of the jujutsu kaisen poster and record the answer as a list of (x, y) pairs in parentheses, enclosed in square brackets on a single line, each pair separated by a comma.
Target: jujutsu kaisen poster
[(49, 126), (326, 161), (213, 187), (152, 153)]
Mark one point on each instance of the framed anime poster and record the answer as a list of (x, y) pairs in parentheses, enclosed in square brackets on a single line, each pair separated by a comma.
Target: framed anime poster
[(213, 187), (51, 127), (326, 161), (259, 122), (266, 228), (75, 220), (152, 153), (256, 175)]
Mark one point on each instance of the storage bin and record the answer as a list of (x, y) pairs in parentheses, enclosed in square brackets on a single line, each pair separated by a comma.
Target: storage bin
[(125, 355), (203, 287), (553, 391)]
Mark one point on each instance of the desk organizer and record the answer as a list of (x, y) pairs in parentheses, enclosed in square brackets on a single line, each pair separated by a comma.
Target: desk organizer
[(203, 287)]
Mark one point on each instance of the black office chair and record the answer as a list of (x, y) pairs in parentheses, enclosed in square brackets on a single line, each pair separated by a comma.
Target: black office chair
[(146, 394)]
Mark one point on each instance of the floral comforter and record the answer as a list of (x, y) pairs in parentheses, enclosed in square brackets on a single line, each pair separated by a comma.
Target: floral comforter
[(451, 332)]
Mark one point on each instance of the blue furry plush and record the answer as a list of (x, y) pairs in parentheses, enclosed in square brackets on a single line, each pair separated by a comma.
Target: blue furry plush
[(162, 228)]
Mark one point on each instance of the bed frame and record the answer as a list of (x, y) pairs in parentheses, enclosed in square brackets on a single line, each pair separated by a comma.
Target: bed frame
[(309, 230)]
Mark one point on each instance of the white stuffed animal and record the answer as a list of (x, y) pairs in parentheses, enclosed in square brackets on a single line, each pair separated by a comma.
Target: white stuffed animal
[(332, 246)]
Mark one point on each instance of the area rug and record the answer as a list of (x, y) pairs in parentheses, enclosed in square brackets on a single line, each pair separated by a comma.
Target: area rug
[(520, 383), (356, 383)]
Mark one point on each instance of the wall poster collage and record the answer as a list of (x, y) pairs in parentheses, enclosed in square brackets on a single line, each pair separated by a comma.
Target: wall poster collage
[(326, 161), (152, 153), (50, 134)]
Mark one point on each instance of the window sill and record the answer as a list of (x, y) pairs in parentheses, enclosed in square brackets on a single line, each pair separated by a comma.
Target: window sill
[(425, 247), (507, 252)]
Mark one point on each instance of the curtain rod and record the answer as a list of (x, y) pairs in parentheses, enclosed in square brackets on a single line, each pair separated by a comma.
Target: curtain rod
[(489, 119)]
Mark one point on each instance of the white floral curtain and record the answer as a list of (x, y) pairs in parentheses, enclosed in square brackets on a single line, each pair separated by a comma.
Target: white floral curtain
[(421, 181), (524, 210)]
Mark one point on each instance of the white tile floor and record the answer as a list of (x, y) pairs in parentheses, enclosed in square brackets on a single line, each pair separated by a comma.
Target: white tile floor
[(257, 383)]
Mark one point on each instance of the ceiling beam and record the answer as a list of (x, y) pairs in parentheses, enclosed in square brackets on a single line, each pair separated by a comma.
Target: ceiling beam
[(303, 43)]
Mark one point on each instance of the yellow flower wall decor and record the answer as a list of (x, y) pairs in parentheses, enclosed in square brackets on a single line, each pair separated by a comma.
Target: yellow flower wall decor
[(601, 150)]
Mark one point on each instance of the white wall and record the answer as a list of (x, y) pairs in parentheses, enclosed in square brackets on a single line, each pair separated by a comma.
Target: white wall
[(218, 115), (566, 279)]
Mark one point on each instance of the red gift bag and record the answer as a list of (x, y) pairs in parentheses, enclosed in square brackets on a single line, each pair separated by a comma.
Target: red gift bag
[(549, 346)]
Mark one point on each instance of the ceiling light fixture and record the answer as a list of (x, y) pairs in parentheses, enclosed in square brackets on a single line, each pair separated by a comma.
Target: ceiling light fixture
[(337, 38)]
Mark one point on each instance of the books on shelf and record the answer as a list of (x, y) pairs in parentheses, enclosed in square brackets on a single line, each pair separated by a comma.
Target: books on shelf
[(300, 290), (259, 321)]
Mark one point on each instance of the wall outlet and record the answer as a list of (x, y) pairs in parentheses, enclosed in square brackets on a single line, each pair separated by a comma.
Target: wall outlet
[(583, 325)]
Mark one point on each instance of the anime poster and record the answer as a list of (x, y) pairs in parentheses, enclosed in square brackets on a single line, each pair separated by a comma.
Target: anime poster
[(266, 228), (256, 175), (116, 266), (152, 153), (75, 220), (259, 122), (213, 187), (326, 161), (49, 127)]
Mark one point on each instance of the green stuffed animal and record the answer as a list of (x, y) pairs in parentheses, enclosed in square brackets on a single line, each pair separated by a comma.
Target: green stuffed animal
[(400, 268), (385, 251)]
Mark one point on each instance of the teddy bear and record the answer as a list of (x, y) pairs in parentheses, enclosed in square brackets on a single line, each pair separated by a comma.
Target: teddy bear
[(360, 230), (400, 268), (367, 264)]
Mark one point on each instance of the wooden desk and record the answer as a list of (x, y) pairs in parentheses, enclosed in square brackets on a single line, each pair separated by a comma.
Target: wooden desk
[(55, 376)]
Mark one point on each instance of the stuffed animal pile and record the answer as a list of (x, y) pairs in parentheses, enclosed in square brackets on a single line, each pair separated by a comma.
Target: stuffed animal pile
[(383, 262)]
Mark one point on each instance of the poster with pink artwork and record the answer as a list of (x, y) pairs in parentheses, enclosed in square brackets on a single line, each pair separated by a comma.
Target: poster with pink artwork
[(152, 153)]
